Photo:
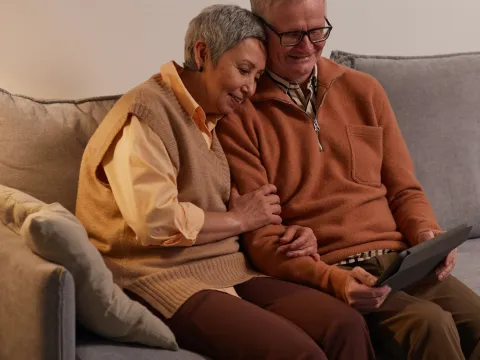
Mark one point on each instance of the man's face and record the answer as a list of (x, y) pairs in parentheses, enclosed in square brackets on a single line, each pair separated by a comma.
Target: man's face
[(297, 62)]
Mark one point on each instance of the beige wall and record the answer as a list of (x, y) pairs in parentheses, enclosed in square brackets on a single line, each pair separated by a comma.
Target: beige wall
[(79, 48)]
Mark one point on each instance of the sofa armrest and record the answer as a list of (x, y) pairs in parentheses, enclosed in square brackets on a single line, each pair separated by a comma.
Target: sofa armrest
[(37, 304)]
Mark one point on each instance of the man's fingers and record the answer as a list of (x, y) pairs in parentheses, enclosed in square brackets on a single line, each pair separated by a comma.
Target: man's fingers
[(299, 243), (368, 303), (370, 293), (316, 256), (363, 276), (288, 235), (304, 252), (446, 272), (425, 236), (452, 256), (440, 270)]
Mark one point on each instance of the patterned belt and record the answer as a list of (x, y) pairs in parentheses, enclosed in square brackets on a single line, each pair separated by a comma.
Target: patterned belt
[(363, 256)]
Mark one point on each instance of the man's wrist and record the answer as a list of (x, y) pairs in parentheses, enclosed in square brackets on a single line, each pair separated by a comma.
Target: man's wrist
[(334, 281)]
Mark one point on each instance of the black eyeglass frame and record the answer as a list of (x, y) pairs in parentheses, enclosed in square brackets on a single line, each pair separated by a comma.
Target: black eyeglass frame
[(303, 33)]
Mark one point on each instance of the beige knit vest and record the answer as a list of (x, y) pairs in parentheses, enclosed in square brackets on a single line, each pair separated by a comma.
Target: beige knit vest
[(164, 277)]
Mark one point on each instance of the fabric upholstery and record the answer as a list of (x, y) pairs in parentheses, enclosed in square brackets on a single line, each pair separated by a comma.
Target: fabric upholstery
[(93, 347), (437, 103), (468, 266), (56, 235), (37, 304), (15, 206), (42, 143)]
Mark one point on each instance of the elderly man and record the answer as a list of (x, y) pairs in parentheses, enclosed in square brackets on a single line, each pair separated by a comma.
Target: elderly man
[(327, 138)]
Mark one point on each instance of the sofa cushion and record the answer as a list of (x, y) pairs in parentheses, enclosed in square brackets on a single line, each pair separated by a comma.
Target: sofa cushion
[(57, 236), (93, 347), (437, 103), (42, 143), (468, 266)]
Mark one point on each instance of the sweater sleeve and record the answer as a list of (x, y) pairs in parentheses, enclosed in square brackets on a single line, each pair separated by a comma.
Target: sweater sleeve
[(238, 137), (409, 205)]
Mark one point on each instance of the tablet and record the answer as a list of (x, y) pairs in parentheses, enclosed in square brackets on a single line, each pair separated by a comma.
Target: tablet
[(416, 263)]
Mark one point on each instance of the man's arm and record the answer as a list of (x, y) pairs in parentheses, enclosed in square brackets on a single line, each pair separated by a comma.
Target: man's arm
[(240, 144), (409, 205)]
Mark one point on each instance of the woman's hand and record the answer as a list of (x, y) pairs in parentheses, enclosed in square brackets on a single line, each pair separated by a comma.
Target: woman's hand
[(299, 241), (256, 209)]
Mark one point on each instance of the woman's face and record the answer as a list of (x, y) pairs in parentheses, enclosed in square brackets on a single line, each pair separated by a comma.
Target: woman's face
[(235, 76)]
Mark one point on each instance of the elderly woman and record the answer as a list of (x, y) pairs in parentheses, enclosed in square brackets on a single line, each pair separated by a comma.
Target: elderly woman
[(153, 193)]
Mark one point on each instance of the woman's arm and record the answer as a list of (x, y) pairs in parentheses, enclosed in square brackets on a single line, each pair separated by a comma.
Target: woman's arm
[(246, 213), (143, 181)]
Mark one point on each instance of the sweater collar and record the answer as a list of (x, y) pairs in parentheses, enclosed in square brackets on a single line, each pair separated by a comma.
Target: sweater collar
[(327, 72)]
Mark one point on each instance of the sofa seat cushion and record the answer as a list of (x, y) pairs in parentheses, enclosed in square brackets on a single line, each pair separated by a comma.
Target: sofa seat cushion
[(42, 143), (468, 264), (93, 347), (437, 103)]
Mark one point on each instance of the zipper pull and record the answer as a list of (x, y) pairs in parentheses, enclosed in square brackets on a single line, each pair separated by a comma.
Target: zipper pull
[(319, 142), (316, 127)]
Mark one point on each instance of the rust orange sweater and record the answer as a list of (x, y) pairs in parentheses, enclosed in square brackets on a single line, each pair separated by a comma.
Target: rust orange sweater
[(359, 194)]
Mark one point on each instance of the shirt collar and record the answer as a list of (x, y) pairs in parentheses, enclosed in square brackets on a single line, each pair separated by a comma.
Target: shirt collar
[(170, 73), (287, 85)]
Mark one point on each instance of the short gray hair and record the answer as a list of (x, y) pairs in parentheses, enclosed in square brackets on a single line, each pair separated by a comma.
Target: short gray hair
[(260, 7), (222, 27)]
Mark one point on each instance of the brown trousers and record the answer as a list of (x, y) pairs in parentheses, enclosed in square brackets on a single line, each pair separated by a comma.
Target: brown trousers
[(431, 320), (272, 320)]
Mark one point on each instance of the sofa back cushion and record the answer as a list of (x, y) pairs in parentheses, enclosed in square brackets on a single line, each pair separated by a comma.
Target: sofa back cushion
[(437, 103), (42, 143)]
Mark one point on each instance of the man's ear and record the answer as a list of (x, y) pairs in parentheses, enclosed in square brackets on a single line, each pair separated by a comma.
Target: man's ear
[(201, 54)]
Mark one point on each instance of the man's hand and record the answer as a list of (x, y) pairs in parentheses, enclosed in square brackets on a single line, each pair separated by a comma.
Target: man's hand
[(299, 241), (446, 267), (360, 293)]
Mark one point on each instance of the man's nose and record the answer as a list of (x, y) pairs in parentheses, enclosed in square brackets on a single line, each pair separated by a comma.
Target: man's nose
[(305, 44)]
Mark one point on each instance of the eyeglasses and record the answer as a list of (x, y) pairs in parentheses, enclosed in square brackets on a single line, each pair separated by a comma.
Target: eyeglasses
[(292, 38)]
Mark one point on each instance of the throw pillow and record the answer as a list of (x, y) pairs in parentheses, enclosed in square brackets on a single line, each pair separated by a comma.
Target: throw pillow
[(56, 235), (15, 206)]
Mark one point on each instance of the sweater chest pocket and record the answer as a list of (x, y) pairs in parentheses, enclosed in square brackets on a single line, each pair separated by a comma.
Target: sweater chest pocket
[(366, 147)]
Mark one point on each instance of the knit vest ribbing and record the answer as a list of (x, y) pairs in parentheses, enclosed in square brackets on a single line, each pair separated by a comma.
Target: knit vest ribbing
[(164, 277)]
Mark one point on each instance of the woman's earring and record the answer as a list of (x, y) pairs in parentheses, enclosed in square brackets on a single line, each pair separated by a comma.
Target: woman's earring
[(200, 68)]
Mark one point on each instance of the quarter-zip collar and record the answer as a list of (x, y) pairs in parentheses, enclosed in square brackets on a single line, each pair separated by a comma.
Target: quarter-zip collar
[(327, 73)]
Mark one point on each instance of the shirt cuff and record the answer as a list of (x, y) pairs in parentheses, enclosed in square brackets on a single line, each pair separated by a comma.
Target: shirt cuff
[(192, 225)]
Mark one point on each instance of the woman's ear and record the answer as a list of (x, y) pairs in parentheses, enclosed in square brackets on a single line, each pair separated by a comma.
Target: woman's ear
[(201, 54)]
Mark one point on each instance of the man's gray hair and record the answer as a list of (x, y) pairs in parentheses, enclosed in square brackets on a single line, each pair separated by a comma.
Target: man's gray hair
[(222, 27), (261, 7)]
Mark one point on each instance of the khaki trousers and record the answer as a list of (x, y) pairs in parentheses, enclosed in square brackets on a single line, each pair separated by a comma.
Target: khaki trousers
[(431, 320)]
